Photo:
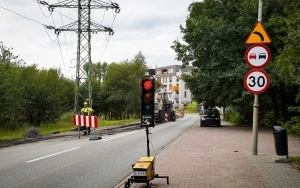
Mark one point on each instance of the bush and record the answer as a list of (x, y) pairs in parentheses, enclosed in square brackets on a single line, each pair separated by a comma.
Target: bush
[(268, 119), (66, 117), (293, 126), (234, 117), (190, 108)]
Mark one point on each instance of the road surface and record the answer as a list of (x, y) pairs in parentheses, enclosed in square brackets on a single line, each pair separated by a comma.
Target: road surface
[(70, 162)]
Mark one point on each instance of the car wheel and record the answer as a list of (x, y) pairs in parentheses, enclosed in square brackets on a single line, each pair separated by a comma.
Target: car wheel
[(201, 124)]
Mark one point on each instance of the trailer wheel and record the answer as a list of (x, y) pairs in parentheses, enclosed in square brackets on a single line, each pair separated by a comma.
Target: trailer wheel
[(127, 185)]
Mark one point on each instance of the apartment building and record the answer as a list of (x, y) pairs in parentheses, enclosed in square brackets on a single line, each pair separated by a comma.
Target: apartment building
[(170, 77)]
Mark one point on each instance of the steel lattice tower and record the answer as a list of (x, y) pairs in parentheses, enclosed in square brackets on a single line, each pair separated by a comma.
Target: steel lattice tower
[(84, 27)]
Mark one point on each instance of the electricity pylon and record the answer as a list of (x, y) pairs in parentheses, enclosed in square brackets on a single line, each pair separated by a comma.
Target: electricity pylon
[(84, 27)]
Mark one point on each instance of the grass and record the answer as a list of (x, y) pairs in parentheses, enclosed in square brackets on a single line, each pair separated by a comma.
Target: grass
[(295, 162), (12, 134), (105, 123), (63, 125)]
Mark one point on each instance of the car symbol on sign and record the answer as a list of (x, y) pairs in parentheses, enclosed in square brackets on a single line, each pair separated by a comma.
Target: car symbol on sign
[(262, 56), (252, 56)]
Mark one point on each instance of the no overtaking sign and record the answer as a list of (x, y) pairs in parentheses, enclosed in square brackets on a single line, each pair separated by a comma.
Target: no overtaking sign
[(257, 56)]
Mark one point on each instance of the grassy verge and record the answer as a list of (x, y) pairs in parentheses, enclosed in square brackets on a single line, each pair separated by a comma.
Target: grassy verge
[(105, 123), (63, 125), (295, 162), (12, 134)]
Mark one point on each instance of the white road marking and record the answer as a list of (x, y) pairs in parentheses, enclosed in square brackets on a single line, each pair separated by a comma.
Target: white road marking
[(52, 155), (119, 136)]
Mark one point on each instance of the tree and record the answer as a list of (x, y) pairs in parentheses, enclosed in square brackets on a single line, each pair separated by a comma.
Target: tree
[(289, 60), (214, 43), (121, 87), (46, 96), (100, 70)]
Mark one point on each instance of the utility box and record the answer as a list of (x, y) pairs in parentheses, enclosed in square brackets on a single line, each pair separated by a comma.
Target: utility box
[(144, 169)]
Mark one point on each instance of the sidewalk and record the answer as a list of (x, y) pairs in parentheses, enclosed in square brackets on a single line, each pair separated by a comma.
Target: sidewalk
[(222, 157)]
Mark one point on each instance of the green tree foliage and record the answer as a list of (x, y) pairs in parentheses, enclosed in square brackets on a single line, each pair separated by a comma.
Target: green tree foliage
[(121, 87), (99, 70), (29, 95), (214, 38), (47, 95), (289, 59), (32, 96), (214, 41)]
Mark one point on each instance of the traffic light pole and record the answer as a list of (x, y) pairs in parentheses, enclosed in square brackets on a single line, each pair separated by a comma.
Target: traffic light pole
[(148, 148)]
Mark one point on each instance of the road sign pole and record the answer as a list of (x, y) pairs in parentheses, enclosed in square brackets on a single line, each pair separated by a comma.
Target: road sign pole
[(260, 4), (255, 125), (256, 104)]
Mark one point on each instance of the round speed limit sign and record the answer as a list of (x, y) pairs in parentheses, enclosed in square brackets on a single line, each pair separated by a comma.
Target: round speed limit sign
[(256, 81)]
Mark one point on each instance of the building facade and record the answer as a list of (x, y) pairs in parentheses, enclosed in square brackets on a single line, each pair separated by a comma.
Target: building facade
[(170, 78)]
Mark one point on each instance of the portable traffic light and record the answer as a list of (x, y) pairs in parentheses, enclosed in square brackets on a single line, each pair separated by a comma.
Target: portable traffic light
[(148, 92)]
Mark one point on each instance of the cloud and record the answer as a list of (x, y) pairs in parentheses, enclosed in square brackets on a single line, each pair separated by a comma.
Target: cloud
[(143, 25)]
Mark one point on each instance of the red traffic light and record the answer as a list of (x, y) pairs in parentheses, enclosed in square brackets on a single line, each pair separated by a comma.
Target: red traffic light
[(147, 103), (147, 84)]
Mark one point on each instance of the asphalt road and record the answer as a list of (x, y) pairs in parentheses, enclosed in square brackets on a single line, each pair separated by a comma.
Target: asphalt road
[(69, 162)]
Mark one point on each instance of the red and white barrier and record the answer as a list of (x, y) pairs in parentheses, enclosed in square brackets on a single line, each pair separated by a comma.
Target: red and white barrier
[(85, 121), (166, 117), (182, 113)]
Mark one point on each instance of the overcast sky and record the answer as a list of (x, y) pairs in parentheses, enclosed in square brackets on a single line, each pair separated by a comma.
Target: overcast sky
[(142, 25)]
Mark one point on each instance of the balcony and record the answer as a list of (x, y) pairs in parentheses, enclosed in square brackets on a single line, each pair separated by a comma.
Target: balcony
[(174, 88)]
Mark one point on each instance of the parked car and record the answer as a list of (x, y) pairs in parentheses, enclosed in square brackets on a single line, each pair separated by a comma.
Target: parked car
[(210, 117)]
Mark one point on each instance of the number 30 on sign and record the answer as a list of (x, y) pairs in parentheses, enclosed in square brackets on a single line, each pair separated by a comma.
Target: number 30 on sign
[(256, 81)]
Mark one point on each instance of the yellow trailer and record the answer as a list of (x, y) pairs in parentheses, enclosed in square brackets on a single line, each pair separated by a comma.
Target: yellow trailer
[(144, 172)]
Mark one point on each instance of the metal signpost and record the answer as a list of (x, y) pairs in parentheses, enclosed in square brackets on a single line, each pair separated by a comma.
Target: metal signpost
[(257, 81)]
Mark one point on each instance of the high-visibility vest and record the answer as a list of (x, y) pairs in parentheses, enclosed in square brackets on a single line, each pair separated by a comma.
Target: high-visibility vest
[(87, 111)]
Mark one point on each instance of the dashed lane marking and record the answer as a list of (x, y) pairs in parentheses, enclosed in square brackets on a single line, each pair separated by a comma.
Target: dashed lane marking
[(47, 156), (119, 136)]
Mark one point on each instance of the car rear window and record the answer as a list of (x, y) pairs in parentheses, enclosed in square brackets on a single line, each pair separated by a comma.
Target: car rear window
[(211, 112)]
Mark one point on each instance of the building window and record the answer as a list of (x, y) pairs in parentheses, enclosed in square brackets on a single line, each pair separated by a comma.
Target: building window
[(157, 72), (164, 71), (186, 87), (170, 70), (177, 78), (185, 94), (170, 79)]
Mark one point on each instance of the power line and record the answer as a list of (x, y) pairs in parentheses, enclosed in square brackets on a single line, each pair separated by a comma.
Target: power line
[(42, 10), (24, 16), (46, 27), (38, 2), (84, 26), (104, 46), (61, 54)]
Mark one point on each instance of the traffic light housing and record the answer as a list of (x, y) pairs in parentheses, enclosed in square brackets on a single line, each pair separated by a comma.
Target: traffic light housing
[(148, 93)]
